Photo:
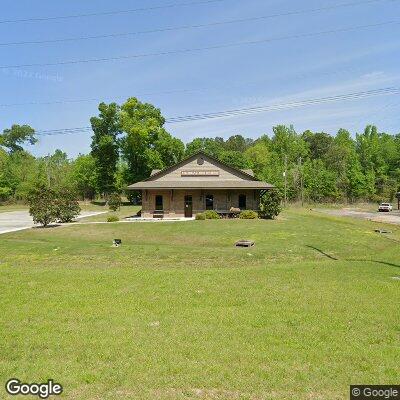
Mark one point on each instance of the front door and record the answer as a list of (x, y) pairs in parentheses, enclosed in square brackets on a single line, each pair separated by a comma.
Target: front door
[(188, 206)]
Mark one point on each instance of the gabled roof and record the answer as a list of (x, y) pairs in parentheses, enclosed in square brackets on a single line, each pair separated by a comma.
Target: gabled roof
[(246, 181), (245, 173)]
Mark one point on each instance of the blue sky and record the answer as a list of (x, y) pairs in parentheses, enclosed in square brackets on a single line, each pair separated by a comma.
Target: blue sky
[(205, 81)]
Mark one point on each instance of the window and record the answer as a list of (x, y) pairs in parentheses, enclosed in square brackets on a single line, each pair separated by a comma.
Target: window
[(209, 202), (159, 202), (242, 201)]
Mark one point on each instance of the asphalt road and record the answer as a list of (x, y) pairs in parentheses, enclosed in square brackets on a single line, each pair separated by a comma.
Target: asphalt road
[(18, 220)]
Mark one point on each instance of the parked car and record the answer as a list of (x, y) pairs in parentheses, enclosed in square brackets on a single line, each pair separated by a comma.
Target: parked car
[(385, 207)]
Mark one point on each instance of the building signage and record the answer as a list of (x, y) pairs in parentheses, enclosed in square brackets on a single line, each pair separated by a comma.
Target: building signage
[(200, 173)]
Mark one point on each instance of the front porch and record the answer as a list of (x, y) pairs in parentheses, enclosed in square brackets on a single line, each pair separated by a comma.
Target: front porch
[(175, 203)]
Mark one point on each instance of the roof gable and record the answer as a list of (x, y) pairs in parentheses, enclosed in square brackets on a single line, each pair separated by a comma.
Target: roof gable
[(199, 166)]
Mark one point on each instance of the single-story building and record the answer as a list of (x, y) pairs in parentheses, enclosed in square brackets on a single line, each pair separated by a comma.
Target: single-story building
[(196, 184)]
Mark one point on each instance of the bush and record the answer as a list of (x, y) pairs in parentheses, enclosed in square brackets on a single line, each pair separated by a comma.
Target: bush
[(200, 217), (114, 201), (270, 204), (47, 205), (67, 206), (112, 218), (248, 214), (42, 205), (211, 214)]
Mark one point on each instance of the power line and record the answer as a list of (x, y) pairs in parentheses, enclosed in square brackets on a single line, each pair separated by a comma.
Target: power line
[(247, 111), (191, 50), (173, 5), (183, 27), (284, 106), (188, 90)]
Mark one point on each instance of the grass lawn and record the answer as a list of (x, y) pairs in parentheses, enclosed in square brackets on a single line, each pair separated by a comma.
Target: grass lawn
[(178, 313)]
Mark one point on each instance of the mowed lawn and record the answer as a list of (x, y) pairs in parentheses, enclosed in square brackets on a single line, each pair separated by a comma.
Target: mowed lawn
[(178, 313)]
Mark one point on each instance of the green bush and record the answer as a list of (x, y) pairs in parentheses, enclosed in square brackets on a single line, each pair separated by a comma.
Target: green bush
[(200, 217), (42, 205), (114, 201), (270, 204), (112, 218), (248, 214), (47, 205), (67, 206), (211, 214)]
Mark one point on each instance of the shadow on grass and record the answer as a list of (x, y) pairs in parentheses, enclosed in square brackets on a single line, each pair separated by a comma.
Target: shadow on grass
[(322, 252), (376, 261)]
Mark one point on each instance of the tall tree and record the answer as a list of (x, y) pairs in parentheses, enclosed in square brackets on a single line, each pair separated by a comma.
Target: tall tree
[(17, 135), (146, 145), (105, 146)]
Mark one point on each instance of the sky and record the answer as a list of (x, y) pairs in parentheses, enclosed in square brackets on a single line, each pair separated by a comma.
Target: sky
[(270, 72)]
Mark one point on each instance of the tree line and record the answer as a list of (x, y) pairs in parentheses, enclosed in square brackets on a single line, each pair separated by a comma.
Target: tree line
[(130, 140)]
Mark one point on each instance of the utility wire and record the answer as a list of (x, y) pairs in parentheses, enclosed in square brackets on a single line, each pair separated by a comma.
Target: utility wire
[(246, 111), (189, 90), (61, 17), (191, 50), (183, 27)]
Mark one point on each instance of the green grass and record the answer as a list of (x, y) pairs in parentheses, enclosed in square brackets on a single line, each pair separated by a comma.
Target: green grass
[(177, 312)]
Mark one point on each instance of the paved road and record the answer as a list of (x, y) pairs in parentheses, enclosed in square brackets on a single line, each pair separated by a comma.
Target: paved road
[(389, 218), (17, 220)]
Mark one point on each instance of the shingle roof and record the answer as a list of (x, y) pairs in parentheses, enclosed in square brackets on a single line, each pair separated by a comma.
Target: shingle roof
[(201, 184)]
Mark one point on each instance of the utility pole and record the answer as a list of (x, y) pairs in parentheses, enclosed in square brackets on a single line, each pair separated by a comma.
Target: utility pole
[(285, 176)]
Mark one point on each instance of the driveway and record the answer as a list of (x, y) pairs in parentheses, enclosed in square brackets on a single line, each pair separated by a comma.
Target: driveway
[(388, 218), (18, 220)]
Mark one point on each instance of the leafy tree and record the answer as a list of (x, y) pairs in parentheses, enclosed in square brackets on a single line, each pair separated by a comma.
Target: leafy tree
[(66, 205), (42, 205), (83, 176), (105, 145), (270, 204), (17, 135), (146, 145), (258, 157), (235, 159), (114, 201), (237, 143), (212, 147), (319, 181), (318, 143)]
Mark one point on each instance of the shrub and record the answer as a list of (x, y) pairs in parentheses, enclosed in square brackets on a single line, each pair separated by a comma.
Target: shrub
[(112, 218), (114, 201), (211, 214), (47, 205), (248, 214), (42, 205), (67, 206), (270, 204), (200, 216)]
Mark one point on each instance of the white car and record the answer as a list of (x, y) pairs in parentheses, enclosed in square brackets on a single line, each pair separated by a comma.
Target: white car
[(385, 207)]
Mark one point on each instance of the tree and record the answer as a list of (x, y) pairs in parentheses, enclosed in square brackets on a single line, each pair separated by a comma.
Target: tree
[(66, 205), (235, 159), (42, 205), (47, 205), (115, 201), (146, 145), (212, 147), (258, 157), (318, 143), (83, 176), (319, 182), (270, 204), (17, 135), (105, 145)]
